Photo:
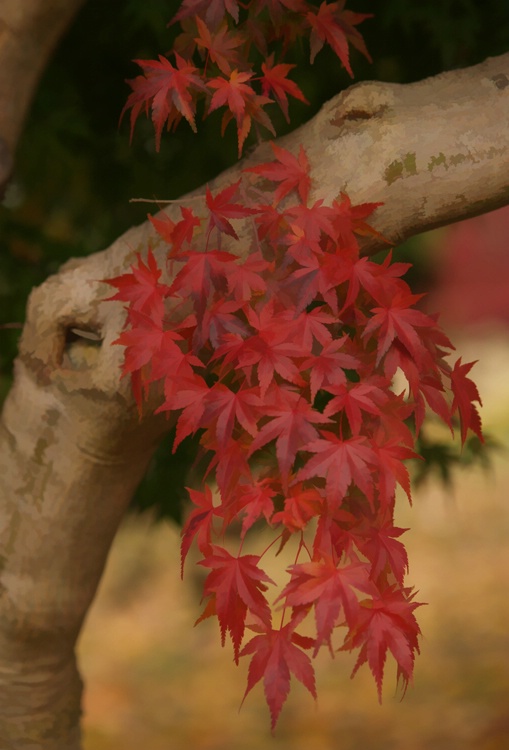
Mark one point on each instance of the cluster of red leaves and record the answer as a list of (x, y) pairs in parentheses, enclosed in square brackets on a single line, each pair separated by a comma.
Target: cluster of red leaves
[(285, 360), (213, 60)]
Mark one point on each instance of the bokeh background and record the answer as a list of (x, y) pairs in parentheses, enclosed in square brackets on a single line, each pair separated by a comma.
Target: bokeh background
[(152, 680)]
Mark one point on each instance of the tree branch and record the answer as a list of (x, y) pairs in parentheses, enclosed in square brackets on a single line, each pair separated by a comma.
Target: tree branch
[(72, 449)]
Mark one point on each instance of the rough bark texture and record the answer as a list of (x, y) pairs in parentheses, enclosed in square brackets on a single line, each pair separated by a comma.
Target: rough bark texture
[(29, 30), (72, 449)]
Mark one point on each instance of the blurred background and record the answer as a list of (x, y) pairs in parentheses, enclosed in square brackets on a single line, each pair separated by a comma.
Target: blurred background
[(152, 680)]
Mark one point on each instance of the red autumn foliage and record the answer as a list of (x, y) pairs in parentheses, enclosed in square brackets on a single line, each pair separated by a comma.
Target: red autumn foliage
[(283, 361)]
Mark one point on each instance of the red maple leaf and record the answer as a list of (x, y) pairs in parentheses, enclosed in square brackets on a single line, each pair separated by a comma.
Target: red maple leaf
[(253, 501), (246, 278), (301, 504), (327, 367), (219, 45), (226, 407), (349, 220), (313, 221), (386, 623), (309, 327), (290, 171), (142, 288), (198, 524), (381, 546), (216, 320), (329, 587), (381, 281), (274, 81), (336, 26), (243, 103), (236, 585), (189, 394), (354, 399), (392, 469), (175, 234), (221, 209), (170, 92), (465, 393), (341, 462), (276, 655), (291, 426), (202, 273), (268, 349), (397, 320), (229, 463), (145, 340)]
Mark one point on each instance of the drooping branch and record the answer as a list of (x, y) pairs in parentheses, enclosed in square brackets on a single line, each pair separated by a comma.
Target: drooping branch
[(71, 446), (432, 152)]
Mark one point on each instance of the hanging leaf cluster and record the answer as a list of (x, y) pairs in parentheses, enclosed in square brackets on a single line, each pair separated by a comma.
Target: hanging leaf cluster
[(283, 359)]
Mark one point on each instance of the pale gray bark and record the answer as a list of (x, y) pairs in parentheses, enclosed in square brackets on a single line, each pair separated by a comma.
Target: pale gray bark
[(72, 448)]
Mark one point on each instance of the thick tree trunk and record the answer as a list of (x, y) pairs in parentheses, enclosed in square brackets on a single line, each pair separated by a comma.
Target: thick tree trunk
[(29, 30), (72, 448)]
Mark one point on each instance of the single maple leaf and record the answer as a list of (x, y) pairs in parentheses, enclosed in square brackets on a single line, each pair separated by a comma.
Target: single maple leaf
[(226, 407), (331, 24), (144, 340), (234, 92), (141, 288), (349, 220), (202, 273), (340, 462), (397, 320), (229, 462), (381, 281), (189, 394), (275, 82), (425, 384), (392, 469), (220, 45), (270, 222), (386, 623), (292, 172), (381, 547), (327, 368), (253, 501), (317, 278), (169, 90), (329, 587), (354, 399), (301, 247), (221, 209), (253, 111), (300, 505), (218, 319), (276, 655), (291, 426), (175, 234), (246, 278), (309, 327), (312, 220), (268, 349), (465, 393), (198, 524), (236, 585)]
